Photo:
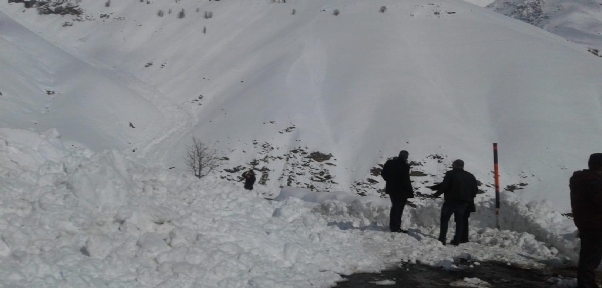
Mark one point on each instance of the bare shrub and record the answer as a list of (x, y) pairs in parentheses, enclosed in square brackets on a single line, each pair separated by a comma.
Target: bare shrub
[(336, 12), (383, 9), (181, 14), (204, 29), (160, 13), (200, 159), (208, 14), (108, 3), (294, 11)]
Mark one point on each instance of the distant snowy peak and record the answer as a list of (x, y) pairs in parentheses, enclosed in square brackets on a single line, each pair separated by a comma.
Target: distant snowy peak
[(577, 21), (530, 11)]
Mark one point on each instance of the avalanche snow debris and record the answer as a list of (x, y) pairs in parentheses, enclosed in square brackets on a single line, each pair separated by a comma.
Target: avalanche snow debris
[(103, 218)]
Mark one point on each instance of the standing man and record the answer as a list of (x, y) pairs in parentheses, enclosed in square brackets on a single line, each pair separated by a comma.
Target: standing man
[(396, 173), (459, 189), (586, 203)]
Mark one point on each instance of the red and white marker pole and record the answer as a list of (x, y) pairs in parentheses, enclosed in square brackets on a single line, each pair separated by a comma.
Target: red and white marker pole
[(497, 186)]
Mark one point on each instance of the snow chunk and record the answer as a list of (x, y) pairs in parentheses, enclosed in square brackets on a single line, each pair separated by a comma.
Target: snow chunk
[(98, 246), (384, 282), (152, 243), (470, 282)]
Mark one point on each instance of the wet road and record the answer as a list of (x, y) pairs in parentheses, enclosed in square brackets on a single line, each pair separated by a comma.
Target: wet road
[(496, 274)]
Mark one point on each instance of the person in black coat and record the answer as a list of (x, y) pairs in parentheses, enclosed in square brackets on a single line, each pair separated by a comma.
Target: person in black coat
[(396, 173), (586, 205), (459, 189), (249, 177)]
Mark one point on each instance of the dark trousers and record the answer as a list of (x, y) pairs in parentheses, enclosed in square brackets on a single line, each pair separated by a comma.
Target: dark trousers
[(589, 258), (457, 209), (464, 238), (397, 205)]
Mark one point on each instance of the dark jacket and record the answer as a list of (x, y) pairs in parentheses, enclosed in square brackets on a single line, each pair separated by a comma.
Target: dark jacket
[(458, 185), (396, 173), (249, 180), (586, 200)]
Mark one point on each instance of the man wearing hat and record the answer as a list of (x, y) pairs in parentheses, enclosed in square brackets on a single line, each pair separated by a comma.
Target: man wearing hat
[(586, 204), (396, 173)]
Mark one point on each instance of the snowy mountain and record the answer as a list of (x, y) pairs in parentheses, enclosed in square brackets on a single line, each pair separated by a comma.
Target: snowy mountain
[(259, 83), (577, 21), (99, 100)]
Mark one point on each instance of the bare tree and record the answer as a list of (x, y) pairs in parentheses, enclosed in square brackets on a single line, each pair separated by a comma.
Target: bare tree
[(200, 159)]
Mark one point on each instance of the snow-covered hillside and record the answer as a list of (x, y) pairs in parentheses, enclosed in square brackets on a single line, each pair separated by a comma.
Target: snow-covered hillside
[(274, 82), (97, 109), (577, 21)]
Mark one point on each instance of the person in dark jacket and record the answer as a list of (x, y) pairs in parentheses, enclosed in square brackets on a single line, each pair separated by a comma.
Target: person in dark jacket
[(459, 189), (396, 173), (469, 209), (249, 179), (586, 205)]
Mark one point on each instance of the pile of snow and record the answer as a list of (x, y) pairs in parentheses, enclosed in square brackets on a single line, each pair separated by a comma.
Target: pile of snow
[(74, 218), (534, 227)]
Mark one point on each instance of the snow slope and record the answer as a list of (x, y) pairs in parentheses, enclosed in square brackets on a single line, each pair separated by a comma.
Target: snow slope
[(44, 87), (441, 78)]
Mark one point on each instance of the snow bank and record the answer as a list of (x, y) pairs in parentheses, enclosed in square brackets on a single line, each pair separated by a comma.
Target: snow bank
[(535, 227), (73, 218)]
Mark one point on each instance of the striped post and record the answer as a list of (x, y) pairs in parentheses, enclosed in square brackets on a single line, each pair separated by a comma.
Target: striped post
[(497, 186)]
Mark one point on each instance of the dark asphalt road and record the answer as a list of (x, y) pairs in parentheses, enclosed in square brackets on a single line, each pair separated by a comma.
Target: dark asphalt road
[(496, 274)]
